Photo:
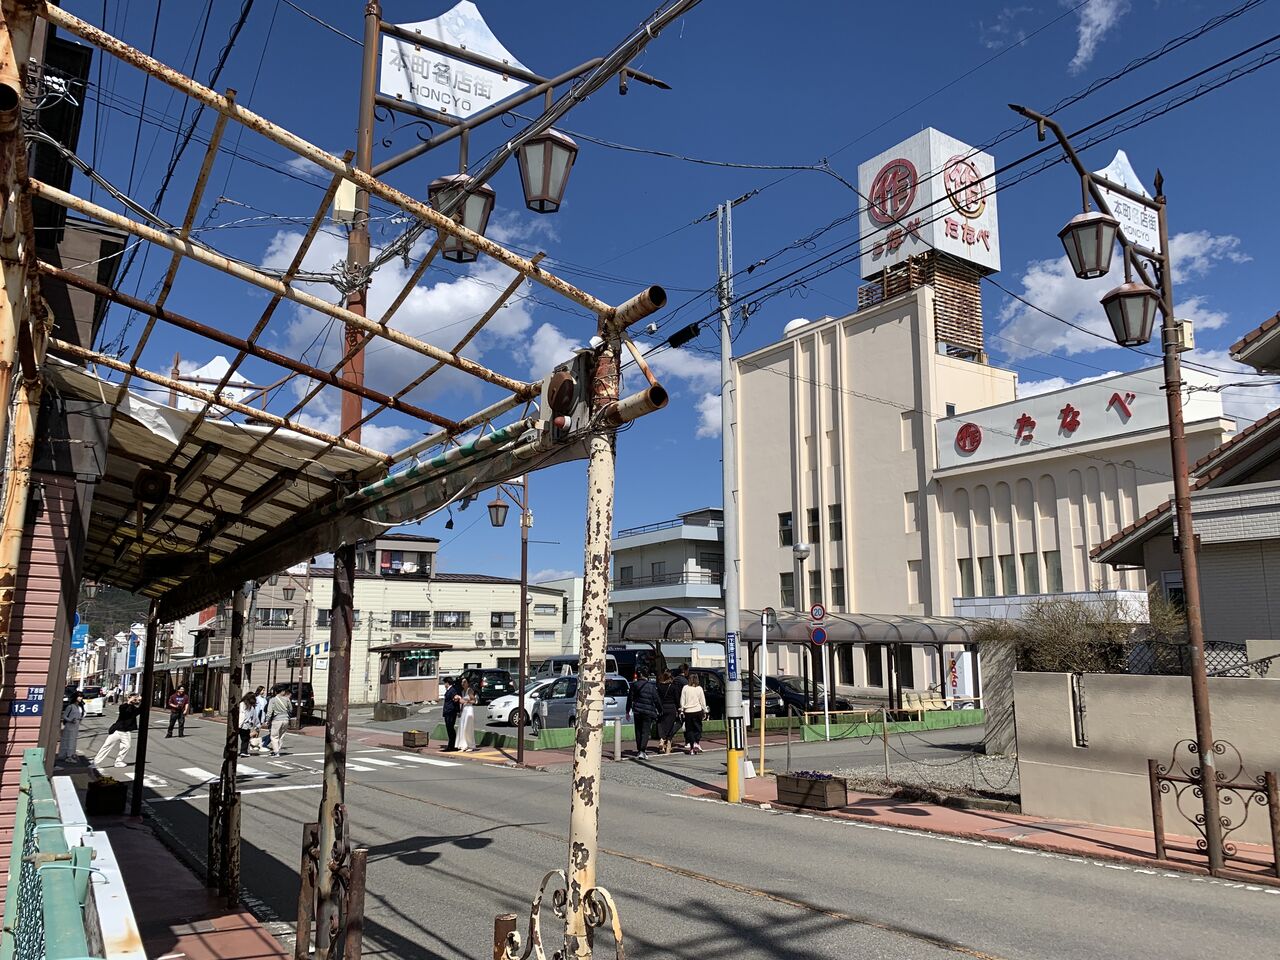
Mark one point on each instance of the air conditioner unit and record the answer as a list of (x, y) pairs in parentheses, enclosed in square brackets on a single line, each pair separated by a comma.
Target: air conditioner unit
[(480, 641), (511, 635), (396, 637), (497, 635), (480, 635)]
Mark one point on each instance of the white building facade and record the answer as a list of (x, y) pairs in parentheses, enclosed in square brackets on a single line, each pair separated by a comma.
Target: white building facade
[(674, 563)]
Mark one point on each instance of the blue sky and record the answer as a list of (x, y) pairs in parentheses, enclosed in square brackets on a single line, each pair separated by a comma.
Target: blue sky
[(753, 83)]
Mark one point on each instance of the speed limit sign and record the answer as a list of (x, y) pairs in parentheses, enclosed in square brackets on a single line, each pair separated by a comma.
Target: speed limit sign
[(817, 612)]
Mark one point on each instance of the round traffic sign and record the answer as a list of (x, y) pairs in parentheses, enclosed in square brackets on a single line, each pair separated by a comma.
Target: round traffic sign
[(818, 635), (817, 611)]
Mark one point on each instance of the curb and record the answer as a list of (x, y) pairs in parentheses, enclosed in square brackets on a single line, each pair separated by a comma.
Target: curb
[(1047, 846)]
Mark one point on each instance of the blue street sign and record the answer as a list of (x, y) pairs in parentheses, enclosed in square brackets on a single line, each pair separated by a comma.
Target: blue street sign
[(819, 635), (35, 693), (26, 708), (80, 636), (731, 655), (75, 620)]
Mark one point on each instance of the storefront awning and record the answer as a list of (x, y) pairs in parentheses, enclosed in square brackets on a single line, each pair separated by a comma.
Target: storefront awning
[(707, 625), (405, 646)]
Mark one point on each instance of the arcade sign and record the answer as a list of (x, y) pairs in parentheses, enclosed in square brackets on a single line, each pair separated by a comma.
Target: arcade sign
[(929, 192)]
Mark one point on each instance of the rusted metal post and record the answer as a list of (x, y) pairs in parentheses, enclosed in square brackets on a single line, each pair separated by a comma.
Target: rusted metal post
[(1157, 808), (1273, 813), (504, 924), (307, 891), (353, 938), (144, 721), (335, 844), (213, 851), (229, 836), (526, 521), (231, 886), (584, 811)]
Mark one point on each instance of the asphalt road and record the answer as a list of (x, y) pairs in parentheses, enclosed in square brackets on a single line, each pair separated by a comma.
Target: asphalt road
[(452, 843)]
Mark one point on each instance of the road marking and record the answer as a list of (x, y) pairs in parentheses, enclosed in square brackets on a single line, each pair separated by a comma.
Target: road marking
[(357, 768), (205, 796), (149, 780), (379, 763), (431, 760), (203, 776), (243, 769)]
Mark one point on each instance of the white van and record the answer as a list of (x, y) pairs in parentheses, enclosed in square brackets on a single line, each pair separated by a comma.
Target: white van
[(568, 664)]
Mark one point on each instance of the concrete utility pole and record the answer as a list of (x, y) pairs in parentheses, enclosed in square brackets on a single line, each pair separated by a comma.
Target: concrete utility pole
[(733, 688)]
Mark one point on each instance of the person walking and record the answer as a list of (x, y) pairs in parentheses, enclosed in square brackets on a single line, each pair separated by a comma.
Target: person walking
[(120, 733), (72, 714), (179, 705), (278, 710), (644, 707), (452, 707), (693, 704), (669, 715), (467, 724), (248, 720), (259, 737)]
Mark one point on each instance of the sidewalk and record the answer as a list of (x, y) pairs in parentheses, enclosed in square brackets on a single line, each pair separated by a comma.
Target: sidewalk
[(1254, 864)]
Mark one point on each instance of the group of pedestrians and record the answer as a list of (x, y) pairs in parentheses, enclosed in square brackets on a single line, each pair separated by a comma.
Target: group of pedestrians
[(262, 722), (460, 699), (664, 703)]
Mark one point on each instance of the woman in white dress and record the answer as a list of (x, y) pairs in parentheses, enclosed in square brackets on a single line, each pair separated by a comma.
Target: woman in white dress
[(467, 722)]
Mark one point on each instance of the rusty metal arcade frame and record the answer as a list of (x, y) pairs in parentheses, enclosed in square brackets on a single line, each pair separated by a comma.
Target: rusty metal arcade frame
[(188, 544)]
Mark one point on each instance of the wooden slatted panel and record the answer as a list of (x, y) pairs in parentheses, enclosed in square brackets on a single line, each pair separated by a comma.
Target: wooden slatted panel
[(957, 295)]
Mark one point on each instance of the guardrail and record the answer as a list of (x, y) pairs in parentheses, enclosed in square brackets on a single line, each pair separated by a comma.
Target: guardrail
[(66, 899), (661, 579), (666, 525)]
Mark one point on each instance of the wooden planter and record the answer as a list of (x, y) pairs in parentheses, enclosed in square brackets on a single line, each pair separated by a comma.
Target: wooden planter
[(105, 799), (417, 738), (813, 794)]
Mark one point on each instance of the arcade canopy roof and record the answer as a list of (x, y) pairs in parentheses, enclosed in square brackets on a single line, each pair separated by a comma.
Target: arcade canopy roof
[(707, 625)]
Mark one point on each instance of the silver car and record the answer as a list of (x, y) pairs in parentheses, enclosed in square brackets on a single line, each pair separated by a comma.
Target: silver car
[(557, 703)]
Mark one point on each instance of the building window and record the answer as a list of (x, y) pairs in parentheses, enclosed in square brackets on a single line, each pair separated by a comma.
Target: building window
[(509, 663), (545, 609), (410, 618), (397, 563), (875, 665), (913, 581), (1030, 574), (275, 617), (786, 533), (418, 665), (835, 522), (837, 588), (1053, 571), (324, 618), (966, 577), (787, 589), (658, 571), (814, 516), (912, 505), (815, 586), (544, 636), (906, 665), (453, 619), (625, 576), (987, 576), (564, 610), (711, 562), (506, 620), (1008, 575), (951, 409)]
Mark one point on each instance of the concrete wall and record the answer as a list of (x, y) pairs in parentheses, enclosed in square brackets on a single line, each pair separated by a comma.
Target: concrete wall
[(1129, 719)]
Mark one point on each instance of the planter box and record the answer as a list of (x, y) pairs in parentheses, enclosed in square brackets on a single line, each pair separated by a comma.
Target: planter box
[(105, 799), (813, 794), (417, 738)]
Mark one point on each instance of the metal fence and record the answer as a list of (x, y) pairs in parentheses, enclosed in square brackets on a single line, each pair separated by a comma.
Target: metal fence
[(48, 881), (1174, 659)]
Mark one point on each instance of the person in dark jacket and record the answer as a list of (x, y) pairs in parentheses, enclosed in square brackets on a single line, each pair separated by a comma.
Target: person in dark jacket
[(120, 733), (644, 706), (452, 707), (669, 701)]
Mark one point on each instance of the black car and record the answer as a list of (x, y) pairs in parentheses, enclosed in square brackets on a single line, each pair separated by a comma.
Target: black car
[(304, 699), (713, 682), (792, 692), (489, 684)]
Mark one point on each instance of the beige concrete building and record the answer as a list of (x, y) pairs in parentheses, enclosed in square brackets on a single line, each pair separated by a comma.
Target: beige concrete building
[(674, 563)]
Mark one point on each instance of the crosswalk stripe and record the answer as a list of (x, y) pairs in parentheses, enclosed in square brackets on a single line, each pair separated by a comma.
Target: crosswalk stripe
[(357, 768), (198, 773), (243, 769), (431, 760), (377, 762)]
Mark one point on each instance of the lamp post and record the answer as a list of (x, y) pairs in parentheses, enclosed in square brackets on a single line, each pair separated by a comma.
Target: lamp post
[(1131, 309), (498, 516), (800, 553)]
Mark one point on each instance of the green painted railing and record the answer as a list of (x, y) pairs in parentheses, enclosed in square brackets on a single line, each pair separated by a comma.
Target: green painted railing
[(48, 883)]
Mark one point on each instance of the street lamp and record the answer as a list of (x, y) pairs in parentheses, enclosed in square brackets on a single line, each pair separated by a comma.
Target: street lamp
[(498, 517), (545, 161), (446, 194), (1131, 309), (91, 588), (1089, 239)]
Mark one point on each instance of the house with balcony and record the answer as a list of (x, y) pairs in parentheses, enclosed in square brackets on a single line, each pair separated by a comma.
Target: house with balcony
[(673, 563)]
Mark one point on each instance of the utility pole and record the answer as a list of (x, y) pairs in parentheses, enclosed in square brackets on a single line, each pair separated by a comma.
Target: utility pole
[(733, 688)]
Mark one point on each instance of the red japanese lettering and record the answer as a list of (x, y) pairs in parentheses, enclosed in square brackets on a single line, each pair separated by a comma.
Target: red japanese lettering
[(1070, 418), (1025, 426), (1123, 404)]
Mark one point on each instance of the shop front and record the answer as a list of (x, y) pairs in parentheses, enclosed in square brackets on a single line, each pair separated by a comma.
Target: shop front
[(409, 671)]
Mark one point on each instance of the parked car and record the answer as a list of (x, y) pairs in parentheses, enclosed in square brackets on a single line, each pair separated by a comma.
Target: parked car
[(506, 709), (304, 699), (489, 684), (628, 661), (713, 682), (557, 702), (95, 701), (792, 692), (562, 664)]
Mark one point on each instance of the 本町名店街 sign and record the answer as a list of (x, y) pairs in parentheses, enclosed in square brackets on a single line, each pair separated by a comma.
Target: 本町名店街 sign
[(420, 75), (1138, 223)]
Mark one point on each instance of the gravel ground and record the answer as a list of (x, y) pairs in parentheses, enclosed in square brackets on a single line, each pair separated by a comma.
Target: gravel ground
[(968, 775)]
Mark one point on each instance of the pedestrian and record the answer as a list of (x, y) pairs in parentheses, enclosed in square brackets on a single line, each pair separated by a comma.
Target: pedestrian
[(247, 721), (467, 721), (179, 705), (644, 707), (278, 710), (452, 707), (72, 714), (669, 700), (260, 737), (693, 704), (120, 733)]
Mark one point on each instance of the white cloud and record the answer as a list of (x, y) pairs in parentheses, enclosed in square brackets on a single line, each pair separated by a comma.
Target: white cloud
[(305, 168), (708, 416), (1050, 284), (1097, 19), (1030, 388), (551, 573), (1003, 30), (700, 371), (547, 348)]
